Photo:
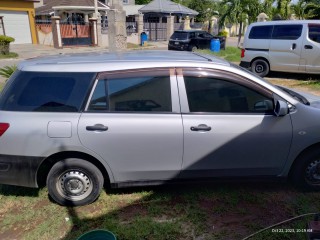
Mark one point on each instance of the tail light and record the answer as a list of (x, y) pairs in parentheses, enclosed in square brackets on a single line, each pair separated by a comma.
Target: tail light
[(3, 128), (242, 52)]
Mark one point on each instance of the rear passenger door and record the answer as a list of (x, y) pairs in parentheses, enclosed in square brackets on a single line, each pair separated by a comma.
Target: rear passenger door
[(133, 121), (311, 49), (285, 47)]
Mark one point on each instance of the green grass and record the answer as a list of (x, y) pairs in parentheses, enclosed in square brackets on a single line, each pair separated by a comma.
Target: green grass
[(232, 54), (220, 211), (10, 55), (1, 85)]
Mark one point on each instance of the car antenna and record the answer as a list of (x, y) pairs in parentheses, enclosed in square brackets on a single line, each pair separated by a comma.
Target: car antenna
[(198, 54)]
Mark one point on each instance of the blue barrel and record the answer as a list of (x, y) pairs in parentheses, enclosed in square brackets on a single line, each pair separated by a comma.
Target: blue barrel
[(144, 38), (215, 45)]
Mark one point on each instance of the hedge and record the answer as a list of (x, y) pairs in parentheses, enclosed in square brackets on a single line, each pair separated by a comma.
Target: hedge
[(5, 44)]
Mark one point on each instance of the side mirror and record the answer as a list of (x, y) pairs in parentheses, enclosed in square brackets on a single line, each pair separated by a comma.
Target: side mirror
[(281, 108)]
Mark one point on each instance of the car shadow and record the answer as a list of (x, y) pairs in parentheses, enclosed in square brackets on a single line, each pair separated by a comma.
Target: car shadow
[(8, 190), (174, 195)]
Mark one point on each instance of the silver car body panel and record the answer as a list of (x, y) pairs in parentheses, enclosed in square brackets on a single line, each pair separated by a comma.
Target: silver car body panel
[(143, 147)]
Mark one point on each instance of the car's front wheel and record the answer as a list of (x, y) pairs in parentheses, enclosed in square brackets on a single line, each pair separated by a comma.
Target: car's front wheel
[(305, 173), (74, 182), (260, 67)]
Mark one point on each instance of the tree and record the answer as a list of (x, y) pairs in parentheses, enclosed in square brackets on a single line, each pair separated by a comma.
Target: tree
[(238, 11), (203, 7)]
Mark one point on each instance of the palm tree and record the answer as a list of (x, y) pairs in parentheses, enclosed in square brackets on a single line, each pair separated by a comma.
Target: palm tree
[(238, 11), (283, 8)]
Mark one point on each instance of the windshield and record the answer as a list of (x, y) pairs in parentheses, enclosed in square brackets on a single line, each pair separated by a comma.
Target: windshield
[(179, 36)]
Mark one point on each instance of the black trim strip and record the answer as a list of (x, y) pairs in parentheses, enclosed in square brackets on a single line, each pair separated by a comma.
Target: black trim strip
[(257, 49)]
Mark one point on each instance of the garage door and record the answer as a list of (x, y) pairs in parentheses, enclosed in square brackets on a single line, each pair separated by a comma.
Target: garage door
[(16, 25)]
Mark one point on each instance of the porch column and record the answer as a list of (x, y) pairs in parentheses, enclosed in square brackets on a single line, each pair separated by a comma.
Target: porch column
[(86, 17), (56, 33), (186, 24), (139, 20), (94, 33), (170, 26)]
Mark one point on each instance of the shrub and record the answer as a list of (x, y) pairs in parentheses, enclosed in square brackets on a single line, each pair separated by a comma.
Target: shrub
[(223, 34), (5, 44), (7, 71)]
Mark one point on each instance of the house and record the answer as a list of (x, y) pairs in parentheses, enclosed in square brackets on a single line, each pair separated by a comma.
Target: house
[(18, 20), (70, 10)]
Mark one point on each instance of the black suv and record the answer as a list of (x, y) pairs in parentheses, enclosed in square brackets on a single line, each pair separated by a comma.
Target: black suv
[(191, 40)]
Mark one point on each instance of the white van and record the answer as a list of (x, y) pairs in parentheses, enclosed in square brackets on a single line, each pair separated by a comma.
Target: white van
[(284, 46)]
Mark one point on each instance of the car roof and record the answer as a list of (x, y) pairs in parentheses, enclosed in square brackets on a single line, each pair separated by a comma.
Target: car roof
[(189, 30), (104, 61), (282, 22)]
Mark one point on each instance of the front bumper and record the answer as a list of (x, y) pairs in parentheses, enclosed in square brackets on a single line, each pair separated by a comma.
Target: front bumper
[(19, 170)]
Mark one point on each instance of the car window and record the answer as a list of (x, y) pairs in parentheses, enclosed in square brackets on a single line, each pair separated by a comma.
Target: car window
[(287, 32), (46, 92), (314, 32), (179, 36), (145, 93), (261, 32), (192, 35), (215, 95)]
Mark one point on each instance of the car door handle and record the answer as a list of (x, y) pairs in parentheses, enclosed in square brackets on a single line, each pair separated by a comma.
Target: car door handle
[(308, 47), (201, 127), (293, 46), (97, 127)]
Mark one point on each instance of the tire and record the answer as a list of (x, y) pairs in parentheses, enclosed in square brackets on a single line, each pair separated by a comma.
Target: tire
[(193, 48), (86, 178), (305, 173), (260, 67)]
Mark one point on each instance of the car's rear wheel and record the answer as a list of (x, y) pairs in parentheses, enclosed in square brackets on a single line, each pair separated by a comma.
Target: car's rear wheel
[(260, 67), (74, 182), (305, 173)]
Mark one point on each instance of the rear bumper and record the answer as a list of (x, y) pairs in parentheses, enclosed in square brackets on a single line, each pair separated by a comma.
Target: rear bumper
[(178, 47), (245, 64), (19, 170)]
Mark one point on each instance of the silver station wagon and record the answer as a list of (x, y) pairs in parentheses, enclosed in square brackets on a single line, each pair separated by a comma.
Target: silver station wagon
[(79, 122)]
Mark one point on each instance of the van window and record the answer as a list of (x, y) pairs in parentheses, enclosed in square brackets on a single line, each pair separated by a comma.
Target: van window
[(314, 33), (46, 92), (287, 32), (260, 32)]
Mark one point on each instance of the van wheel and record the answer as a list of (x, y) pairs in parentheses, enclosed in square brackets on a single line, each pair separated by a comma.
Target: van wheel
[(74, 182), (305, 174), (260, 67)]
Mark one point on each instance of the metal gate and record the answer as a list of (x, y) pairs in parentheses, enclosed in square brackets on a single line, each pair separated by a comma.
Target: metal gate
[(76, 34), (156, 30)]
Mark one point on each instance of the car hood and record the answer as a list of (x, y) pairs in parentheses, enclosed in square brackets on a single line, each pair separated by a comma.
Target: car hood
[(314, 100)]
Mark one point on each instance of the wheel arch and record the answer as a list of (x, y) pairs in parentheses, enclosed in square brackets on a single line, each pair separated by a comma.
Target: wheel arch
[(262, 58), (47, 164), (313, 147)]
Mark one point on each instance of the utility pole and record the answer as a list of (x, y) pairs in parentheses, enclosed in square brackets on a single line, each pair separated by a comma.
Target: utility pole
[(96, 8)]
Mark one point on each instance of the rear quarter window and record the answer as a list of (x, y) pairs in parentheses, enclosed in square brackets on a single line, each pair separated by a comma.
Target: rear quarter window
[(46, 92), (260, 32)]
